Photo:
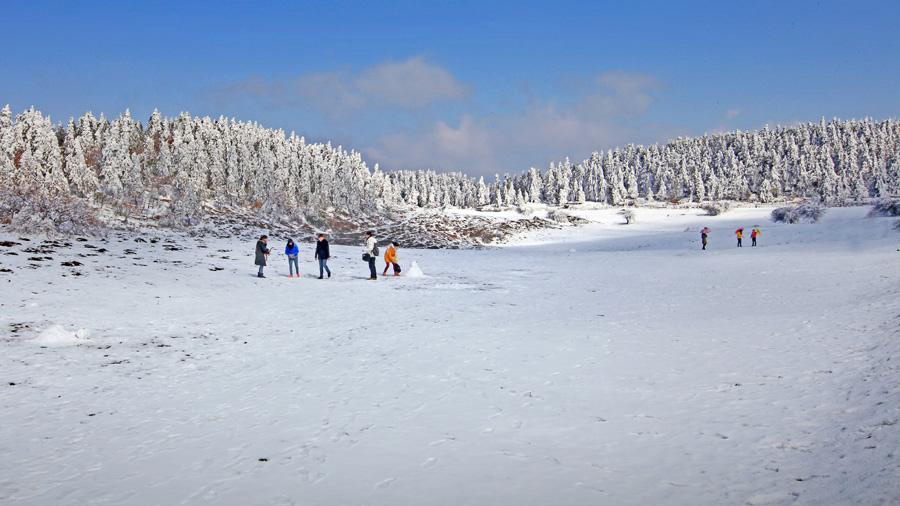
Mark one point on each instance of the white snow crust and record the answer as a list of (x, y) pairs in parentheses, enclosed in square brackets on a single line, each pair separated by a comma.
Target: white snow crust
[(603, 364)]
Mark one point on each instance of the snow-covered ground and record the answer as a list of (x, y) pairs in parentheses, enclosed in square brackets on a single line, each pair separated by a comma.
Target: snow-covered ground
[(605, 364)]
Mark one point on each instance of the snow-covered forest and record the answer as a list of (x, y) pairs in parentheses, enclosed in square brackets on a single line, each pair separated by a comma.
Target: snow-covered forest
[(170, 167)]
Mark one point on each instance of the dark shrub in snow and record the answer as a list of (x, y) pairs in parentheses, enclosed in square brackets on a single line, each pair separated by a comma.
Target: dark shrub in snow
[(886, 207), (716, 208), (807, 212)]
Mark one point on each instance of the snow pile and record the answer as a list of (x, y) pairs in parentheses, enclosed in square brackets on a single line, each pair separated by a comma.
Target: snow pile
[(415, 271), (57, 335)]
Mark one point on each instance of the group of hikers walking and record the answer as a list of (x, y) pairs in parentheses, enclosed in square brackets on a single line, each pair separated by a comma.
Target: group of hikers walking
[(739, 234), (371, 253), (323, 253)]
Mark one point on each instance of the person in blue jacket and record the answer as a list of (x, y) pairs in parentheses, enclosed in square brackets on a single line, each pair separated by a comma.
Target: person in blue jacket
[(291, 250)]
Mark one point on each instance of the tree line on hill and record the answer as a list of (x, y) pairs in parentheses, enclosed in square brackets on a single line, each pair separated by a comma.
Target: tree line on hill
[(171, 167)]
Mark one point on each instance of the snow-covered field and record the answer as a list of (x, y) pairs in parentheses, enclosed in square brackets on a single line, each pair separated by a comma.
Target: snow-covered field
[(605, 364)]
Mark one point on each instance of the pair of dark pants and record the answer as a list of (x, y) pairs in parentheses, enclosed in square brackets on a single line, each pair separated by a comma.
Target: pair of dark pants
[(293, 264), (387, 265), (323, 267), (260, 270), (372, 273), (739, 243), (754, 241)]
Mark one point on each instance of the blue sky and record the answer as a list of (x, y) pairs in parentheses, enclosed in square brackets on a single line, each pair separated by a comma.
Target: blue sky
[(481, 87)]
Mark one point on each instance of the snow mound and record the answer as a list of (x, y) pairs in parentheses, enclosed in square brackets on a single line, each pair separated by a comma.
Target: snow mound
[(415, 271), (57, 335)]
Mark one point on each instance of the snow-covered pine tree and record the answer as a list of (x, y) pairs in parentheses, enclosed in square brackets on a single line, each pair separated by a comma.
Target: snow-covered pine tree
[(114, 161), (7, 146), (83, 180)]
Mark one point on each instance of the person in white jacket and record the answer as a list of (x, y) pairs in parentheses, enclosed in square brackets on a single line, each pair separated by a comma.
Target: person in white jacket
[(370, 254)]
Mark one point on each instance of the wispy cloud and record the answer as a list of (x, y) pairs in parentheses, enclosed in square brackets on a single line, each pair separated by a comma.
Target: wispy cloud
[(534, 135), (410, 84), (726, 123), (607, 110)]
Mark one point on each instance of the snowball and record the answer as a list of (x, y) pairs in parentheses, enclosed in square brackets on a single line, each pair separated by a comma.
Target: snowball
[(57, 335), (415, 271)]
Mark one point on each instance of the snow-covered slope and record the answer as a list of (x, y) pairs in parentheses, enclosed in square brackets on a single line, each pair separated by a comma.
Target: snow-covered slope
[(603, 364)]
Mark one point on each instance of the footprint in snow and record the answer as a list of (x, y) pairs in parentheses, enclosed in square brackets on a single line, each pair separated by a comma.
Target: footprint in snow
[(429, 462), (385, 483)]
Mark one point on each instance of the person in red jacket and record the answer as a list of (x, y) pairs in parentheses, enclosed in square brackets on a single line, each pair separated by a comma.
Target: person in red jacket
[(754, 234)]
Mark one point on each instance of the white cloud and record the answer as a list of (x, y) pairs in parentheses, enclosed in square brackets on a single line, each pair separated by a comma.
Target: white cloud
[(410, 84), (532, 136), (607, 113), (442, 146)]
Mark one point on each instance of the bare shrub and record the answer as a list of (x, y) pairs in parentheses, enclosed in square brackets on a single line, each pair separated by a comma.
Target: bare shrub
[(717, 208), (35, 210), (885, 207), (628, 214), (807, 212), (558, 216)]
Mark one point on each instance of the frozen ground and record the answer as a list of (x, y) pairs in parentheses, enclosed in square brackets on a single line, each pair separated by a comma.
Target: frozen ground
[(606, 364)]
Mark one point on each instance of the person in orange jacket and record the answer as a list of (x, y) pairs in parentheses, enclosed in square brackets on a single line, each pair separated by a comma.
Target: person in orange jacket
[(740, 235), (390, 258)]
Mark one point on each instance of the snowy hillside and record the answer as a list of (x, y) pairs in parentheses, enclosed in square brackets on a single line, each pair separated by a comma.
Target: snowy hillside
[(601, 364), (97, 173)]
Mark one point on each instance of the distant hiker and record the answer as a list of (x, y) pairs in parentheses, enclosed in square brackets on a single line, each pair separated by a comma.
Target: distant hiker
[(370, 254), (262, 254), (291, 250), (704, 235), (390, 258), (740, 235), (754, 234), (322, 255)]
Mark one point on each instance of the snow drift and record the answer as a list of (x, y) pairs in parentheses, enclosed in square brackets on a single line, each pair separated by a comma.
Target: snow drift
[(57, 335)]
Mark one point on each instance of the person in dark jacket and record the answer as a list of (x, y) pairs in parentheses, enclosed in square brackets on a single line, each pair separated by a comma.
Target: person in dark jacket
[(322, 255), (262, 254), (291, 251)]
